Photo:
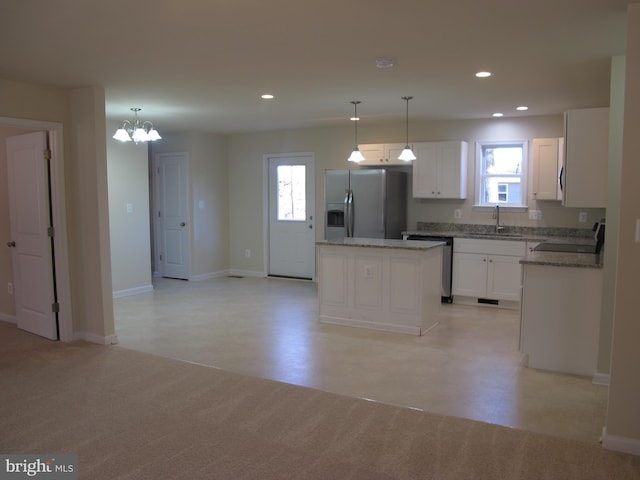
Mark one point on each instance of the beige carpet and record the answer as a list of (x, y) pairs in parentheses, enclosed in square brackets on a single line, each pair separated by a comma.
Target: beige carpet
[(131, 415)]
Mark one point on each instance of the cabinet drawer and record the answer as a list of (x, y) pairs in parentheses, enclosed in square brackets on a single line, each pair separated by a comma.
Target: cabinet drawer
[(490, 247)]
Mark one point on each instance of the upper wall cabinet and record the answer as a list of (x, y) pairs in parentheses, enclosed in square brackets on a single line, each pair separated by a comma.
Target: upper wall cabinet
[(382, 154), (548, 156), (584, 176), (440, 170)]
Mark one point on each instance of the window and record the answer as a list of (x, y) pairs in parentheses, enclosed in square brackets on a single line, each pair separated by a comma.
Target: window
[(291, 192), (500, 178)]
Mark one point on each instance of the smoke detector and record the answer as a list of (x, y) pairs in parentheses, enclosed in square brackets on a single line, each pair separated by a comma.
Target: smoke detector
[(384, 62)]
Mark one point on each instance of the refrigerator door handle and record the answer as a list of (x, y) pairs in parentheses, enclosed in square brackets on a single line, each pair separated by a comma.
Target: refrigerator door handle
[(346, 213), (349, 213)]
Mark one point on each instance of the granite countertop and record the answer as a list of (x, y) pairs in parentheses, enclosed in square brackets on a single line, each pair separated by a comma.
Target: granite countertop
[(522, 234), (562, 259), (381, 243), (520, 237)]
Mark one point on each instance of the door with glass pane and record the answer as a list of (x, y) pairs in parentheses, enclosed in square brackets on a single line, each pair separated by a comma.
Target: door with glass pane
[(291, 211)]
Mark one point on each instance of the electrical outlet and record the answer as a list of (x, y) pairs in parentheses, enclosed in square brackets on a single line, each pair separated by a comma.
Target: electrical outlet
[(457, 213), (10, 288), (535, 215), (368, 271), (129, 207), (638, 231), (582, 217), (247, 253)]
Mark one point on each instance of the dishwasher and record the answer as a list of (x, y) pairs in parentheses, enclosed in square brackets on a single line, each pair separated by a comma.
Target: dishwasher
[(447, 261)]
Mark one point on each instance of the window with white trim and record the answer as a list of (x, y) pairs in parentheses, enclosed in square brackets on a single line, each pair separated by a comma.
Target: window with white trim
[(500, 173)]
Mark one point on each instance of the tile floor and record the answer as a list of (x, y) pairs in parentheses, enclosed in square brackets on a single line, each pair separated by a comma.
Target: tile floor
[(468, 366)]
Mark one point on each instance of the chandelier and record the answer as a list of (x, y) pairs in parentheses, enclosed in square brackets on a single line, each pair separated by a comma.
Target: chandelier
[(136, 130)]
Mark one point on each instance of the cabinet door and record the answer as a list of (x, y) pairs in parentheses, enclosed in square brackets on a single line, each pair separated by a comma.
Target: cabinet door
[(382, 154), (545, 168), (374, 154), (439, 170), (425, 170), (586, 158), (452, 176), (504, 276), (469, 274)]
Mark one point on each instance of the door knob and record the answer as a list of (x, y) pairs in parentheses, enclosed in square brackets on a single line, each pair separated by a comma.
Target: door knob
[(310, 226), (11, 244), (182, 224)]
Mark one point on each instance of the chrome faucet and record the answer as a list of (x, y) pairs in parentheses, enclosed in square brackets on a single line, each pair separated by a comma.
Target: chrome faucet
[(496, 216)]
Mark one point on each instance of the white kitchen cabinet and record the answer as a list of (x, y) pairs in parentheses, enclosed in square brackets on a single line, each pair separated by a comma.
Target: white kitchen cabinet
[(487, 269), (548, 156), (396, 289), (382, 154), (584, 176), (440, 170), (560, 318)]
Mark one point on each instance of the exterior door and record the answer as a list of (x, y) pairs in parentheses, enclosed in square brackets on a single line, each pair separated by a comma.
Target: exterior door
[(32, 247), (291, 222), (173, 214)]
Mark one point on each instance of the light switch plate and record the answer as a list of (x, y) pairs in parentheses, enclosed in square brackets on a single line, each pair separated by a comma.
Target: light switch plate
[(129, 207), (457, 213)]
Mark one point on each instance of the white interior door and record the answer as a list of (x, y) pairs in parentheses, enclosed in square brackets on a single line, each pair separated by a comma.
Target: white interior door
[(291, 210), (30, 219), (173, 214)]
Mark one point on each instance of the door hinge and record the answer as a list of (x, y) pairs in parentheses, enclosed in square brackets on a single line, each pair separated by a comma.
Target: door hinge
[(160, 257), (47, 154), (51, 231), (55, 307)]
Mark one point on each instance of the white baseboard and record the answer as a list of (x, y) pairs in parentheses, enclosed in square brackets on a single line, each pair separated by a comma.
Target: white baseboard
[(601, 379), (133, 291), (93, 338), (246, 273), (8, 318), (620, 444), (209, 276)]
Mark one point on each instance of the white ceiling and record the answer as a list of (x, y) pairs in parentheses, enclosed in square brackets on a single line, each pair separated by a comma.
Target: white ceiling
[(202, 64)]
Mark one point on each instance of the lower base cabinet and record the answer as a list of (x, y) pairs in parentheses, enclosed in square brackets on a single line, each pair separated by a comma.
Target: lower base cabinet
[(488, 269), (560, 318)]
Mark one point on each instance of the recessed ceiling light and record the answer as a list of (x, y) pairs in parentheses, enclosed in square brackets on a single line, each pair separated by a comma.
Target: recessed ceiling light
[(497, 114), (267, 96), (384, 62), (483, 74), (522, 108)]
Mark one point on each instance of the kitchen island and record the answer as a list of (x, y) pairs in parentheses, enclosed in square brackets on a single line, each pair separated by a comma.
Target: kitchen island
[(392, 285)]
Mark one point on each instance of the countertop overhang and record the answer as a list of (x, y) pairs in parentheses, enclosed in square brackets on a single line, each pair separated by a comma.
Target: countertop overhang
[(381, 243)]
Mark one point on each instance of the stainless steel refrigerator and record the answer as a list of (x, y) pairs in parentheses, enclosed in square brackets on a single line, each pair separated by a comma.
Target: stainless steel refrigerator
[(370, 203)]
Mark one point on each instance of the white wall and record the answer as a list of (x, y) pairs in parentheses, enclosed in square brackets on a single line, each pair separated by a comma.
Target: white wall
[(81, 114), (623, 420), (332, 146), (209, 184), (128, 172)]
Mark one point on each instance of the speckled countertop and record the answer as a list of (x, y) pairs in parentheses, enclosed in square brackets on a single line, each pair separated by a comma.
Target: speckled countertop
[(562, 259), (381, 243), (528, 234)]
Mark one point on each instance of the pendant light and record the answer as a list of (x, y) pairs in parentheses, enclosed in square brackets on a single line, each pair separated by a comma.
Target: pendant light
[(356, 156), (407, 154)]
